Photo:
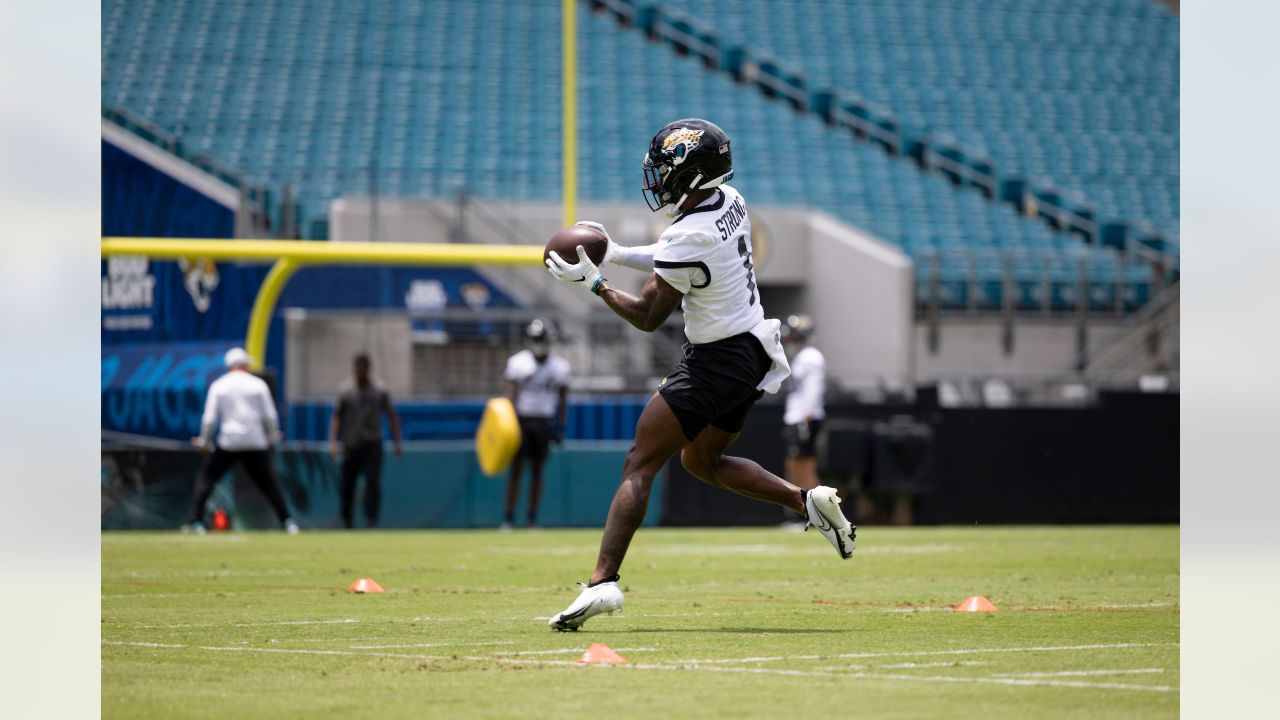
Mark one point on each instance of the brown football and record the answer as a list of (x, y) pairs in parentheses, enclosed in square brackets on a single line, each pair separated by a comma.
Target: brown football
[(565, 244)]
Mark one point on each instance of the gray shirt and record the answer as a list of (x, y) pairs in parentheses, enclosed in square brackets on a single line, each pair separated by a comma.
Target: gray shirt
[(359, 412)]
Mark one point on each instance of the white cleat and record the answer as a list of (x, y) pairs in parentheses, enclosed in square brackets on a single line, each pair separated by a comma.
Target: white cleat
[(822, 506), (592, 601)]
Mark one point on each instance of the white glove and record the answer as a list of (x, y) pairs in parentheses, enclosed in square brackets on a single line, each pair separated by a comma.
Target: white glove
[(585, 273), (612, 254)]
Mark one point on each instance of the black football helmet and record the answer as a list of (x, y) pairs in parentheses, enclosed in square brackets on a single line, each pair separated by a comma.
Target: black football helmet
[(685, 155), (537, 337)]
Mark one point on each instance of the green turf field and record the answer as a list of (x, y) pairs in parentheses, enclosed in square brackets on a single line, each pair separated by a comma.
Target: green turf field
[(718, 624)]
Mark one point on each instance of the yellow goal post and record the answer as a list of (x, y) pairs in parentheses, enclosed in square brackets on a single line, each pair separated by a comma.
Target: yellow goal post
[(288, 256)]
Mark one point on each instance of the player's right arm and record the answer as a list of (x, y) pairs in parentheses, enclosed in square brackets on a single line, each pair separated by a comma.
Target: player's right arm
[(657, 300)]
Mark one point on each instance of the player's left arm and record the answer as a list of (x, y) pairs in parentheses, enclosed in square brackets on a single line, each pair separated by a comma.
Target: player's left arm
[(657, 300)]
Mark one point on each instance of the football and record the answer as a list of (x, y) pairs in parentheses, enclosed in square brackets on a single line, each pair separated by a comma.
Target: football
[(565, 243)]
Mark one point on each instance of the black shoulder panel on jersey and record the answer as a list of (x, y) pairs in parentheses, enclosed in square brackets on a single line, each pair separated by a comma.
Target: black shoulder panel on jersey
[(672, 265)]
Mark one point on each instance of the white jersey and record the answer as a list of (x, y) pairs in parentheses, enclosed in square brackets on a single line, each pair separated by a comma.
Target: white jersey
[(241, 408), (706, 254), (806, 387), (539, 383)]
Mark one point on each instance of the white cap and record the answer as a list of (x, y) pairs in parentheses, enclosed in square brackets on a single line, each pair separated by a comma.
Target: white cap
[(236, 357)]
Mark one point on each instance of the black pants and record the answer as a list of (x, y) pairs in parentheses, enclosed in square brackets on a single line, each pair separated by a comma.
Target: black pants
[(366, 459), (256, 463)]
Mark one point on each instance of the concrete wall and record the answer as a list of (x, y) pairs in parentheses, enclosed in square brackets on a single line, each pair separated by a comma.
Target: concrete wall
[(973, 346)]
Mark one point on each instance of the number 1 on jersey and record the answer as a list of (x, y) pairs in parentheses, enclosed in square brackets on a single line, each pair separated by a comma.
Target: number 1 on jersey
[(745, 253)]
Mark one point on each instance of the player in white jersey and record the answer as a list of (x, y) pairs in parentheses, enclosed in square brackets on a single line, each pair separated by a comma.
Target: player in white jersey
[(703, 263), (802, 420), (538, 386)]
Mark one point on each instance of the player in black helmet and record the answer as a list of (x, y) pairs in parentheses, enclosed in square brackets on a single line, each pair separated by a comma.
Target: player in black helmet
[(702, 262), (538, 386)]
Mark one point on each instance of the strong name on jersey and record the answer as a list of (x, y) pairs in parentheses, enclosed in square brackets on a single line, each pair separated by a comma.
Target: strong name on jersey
[(706, 254)]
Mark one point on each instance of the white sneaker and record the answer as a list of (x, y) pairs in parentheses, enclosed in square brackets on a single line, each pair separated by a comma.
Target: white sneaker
[(822, 506), (194, 528), (291, 527), (602, 598)]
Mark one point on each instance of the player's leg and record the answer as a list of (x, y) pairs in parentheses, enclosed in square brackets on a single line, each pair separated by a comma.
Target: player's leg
[(213, 469), (513, 486), (373, 484), (806, 459), (257, 463), (704, 458), (539, 450), (347, 485), (659, 436)]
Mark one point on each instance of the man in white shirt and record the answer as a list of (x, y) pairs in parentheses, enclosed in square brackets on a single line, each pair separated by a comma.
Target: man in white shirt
[(240, 408), (538, 386), (702, 262), (804, 414)]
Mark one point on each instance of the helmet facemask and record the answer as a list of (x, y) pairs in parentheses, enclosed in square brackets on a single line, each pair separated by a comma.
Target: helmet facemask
[(655, 196)]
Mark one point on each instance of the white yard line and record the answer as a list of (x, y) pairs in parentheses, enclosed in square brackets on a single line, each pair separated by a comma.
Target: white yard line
[(948, 663), (921, 653), (287, 651), (1081, 673), (713, 665), (575, 650), (989, 680), (175, 626), (426, 645)]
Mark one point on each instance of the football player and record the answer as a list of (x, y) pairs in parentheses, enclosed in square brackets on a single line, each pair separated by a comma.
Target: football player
[(538, 387), (805, 412), (702, 262)]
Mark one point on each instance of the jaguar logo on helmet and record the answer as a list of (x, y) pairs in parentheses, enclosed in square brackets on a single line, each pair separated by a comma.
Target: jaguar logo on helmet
[(681, 142)]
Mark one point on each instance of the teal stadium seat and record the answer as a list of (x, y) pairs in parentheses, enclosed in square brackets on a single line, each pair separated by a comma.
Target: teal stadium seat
[(465, 96)]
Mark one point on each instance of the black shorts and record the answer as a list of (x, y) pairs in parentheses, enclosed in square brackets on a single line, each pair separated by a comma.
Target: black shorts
[(535, 437), (802, 438), (715, 383)]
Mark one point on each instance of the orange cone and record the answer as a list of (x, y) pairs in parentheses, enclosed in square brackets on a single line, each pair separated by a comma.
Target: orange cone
[(365, 585), (221, 521), (601, 654), (975, 603)]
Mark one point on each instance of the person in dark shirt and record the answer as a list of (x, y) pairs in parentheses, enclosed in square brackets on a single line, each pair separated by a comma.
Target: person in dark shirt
[(357, 419)]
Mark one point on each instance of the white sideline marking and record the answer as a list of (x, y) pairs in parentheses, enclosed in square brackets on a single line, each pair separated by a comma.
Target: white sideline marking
[(289, 651), (991, 680), (971, 651), (1081, 673)]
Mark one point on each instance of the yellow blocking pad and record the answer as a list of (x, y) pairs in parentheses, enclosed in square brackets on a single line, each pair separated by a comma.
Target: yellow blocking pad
[(498, 436)]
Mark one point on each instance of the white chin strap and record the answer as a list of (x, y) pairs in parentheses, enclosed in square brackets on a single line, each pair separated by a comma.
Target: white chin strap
[(692, 187)]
